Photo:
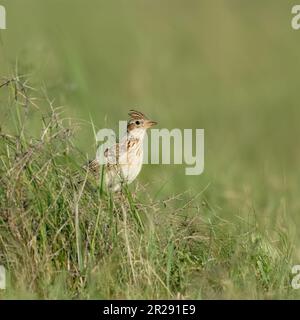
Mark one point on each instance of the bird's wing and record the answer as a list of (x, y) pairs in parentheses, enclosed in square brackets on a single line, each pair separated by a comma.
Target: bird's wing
[(116, 154)]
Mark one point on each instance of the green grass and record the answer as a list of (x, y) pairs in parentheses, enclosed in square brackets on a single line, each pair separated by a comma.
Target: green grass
[(64, 239), (230, 68)]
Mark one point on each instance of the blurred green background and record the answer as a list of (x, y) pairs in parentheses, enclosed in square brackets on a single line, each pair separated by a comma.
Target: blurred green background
[(228, 66)]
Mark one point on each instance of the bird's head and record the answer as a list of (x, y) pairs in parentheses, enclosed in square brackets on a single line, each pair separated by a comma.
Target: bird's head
[(138, 124)]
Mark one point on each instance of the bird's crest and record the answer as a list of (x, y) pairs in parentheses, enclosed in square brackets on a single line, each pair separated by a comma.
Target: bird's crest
[(136, 115)]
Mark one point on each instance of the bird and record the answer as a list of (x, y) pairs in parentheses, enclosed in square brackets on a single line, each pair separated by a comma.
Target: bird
[(124, 160)]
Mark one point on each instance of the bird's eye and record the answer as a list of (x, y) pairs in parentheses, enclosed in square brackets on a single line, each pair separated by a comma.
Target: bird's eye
[(137, 123)]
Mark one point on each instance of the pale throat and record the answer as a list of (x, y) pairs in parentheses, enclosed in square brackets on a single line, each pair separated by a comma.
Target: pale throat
[(136, 133)]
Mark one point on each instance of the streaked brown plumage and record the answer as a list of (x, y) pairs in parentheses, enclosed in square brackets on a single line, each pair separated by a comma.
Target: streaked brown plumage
[(124, 160)]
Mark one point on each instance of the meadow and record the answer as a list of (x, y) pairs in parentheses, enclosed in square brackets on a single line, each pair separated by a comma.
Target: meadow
[(69, 68)]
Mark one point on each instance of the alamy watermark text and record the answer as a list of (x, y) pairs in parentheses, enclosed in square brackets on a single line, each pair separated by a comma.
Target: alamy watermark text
[(2, 17)]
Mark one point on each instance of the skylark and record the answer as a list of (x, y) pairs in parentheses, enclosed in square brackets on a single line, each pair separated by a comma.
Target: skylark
[(124, 160)]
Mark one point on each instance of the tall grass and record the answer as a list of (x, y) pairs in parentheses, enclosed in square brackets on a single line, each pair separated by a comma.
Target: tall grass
[(64, 239)]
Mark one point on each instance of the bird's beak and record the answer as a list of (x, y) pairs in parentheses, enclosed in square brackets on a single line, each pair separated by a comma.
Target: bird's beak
[(150, 123)]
